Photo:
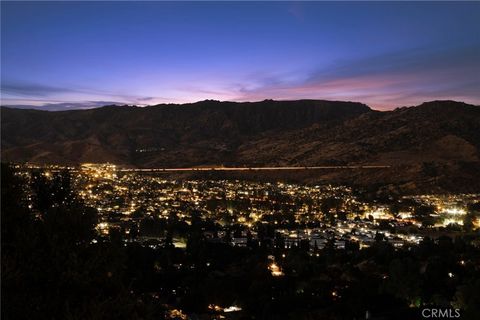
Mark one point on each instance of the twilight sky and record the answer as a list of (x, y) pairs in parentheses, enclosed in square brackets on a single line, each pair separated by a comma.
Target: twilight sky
[(63, 55)]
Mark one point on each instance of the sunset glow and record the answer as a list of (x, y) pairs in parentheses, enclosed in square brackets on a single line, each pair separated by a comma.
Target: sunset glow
[(386, 55)]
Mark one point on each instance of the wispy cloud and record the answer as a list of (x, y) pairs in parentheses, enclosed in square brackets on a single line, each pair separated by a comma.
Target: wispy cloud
[(62, 106), (384, 81), (24, 94), (31, 89)]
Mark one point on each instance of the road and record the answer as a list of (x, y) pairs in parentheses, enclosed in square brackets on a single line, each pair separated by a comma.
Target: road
[(253, 168)]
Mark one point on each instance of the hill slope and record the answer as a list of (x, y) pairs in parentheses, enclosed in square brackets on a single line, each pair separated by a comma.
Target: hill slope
[(433, 146)]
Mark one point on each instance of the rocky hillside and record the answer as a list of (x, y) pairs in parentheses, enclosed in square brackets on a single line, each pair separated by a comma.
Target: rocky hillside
[(434, 146)]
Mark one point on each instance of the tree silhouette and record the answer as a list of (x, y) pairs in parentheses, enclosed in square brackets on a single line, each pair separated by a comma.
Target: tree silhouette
[(50, 269)]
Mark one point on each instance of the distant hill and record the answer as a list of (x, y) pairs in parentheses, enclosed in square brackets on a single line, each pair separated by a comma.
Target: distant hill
[(433, 147)]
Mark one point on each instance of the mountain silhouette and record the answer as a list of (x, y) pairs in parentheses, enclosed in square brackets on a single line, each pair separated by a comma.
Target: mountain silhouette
[(431, 147)]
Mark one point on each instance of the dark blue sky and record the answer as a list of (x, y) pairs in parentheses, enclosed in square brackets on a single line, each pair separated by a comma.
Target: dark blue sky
[(385, 54)]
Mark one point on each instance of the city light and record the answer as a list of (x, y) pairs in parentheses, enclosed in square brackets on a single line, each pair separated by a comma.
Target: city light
[(275, 270)]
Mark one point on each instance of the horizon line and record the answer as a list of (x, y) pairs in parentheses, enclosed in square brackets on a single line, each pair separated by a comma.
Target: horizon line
[(78, 106)]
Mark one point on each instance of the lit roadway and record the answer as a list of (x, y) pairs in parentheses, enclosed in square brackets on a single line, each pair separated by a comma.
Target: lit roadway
[(252, 168)]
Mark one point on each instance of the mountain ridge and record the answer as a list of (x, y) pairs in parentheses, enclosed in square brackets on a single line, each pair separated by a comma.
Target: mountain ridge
[(434, 143)]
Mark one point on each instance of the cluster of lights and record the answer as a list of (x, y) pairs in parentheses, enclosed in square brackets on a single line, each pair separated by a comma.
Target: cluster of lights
[(123, 198), (229, 309), (275, 270)]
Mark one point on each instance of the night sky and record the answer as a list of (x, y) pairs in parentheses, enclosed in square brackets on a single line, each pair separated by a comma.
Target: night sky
[(63, 55)]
